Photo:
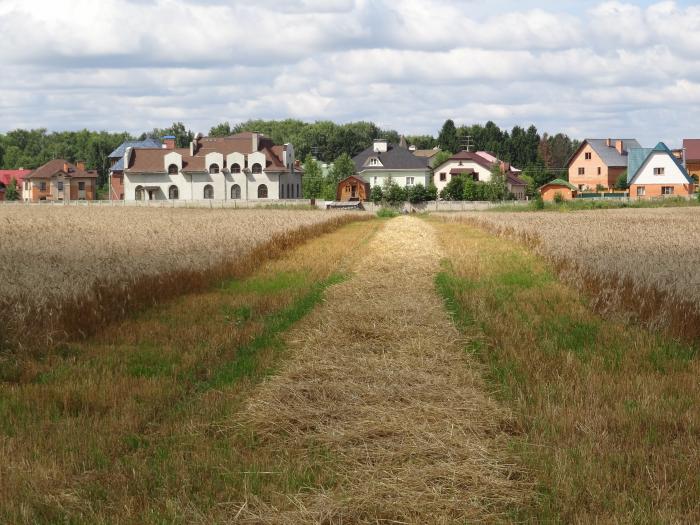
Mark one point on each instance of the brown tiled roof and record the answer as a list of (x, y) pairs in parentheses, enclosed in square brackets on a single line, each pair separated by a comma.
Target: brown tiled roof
[(468, 156), (427, 153), (514, 180), (56, 166), (692, 149), (461, 171)]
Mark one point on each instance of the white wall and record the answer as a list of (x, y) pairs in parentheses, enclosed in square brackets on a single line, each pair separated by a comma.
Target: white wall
[(378, 178), (484, 173), (672, 173)]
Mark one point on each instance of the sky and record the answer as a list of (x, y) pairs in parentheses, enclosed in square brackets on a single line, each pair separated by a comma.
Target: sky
[(585, 68)]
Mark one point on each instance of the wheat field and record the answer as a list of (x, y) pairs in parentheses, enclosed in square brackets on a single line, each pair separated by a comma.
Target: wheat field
[(640, 262), (67, 269)]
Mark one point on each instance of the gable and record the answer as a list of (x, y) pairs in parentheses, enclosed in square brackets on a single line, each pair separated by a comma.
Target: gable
[(673, 172)]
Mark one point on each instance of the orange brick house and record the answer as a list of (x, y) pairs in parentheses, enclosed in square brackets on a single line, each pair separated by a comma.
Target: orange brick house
[(691, 150), (558, 187), (599, 162), (59, 180), (657, 172)]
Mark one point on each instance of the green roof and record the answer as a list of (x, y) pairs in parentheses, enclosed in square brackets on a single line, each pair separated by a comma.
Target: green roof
[(560, 182)]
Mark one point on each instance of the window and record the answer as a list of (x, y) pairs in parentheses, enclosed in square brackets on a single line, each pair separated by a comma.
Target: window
[(173, 169), (26, 184), (600, 170), (409, 181), (173, 193), (42, 186), (666, 190), (443, 177), (262, 190), (375, 181), (81, 186), (235, 168), (659, 171), (60, 185), (257, 169), (374, 162), (139, 193), (214, 168), (235, 191), (208, 191), (641, 191), (582, 171), (589, 155)]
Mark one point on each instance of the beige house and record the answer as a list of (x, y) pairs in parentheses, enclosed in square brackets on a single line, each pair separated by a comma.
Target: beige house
[(60, 181)]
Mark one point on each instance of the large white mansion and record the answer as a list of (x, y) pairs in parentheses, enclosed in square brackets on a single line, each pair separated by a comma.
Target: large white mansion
[(244, 166)]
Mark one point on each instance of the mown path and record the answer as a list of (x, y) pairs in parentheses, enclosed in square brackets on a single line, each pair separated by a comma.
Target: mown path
[(379, 381)]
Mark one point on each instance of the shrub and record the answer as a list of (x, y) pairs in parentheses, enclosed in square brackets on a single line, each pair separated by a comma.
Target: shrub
[(387, 213), (558, 198), (376, 195), (538, 202), (394, 194)]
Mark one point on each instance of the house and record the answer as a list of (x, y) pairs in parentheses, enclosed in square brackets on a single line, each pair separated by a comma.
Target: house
[(116, 162), (353, 188), (599, 162), (6, 177), (477, 166), (427, 154), (566, 190), (59, 180), (245, 166), (384, 161), (656, 172), (691, 150)]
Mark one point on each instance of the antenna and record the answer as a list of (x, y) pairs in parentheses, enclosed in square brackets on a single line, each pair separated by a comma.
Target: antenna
[(466, 143)]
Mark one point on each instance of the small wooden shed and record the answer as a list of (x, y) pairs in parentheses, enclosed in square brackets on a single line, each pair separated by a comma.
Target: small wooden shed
[(353, 188), (558, 186)]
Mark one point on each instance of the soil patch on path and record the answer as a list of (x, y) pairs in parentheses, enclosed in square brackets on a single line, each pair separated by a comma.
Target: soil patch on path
[(380, 393)]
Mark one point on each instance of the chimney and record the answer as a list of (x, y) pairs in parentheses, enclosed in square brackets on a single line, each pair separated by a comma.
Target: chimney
[(80, 165), (65, 167), (254, 143), (169, 142), (381, 145), (620, 146), (608, 143)]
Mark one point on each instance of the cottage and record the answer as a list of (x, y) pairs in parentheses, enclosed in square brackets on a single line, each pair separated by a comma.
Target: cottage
[(599, 162), (6, 178), (353, 189), (656, 172), (60, 181), (384, 161), (558, 187), (691, 153), (246, 166), (116, 162)]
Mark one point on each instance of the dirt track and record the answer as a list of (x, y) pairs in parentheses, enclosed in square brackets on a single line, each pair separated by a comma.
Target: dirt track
[(379, 378)]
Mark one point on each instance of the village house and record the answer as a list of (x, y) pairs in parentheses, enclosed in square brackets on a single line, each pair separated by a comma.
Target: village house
[(691, 152), (60, 181), (599, 163), (427, 154), (6, 178), (353, 189), (246, 166), (558, 188), (478, 166), (656, 172), (384, 161), (116, 162)]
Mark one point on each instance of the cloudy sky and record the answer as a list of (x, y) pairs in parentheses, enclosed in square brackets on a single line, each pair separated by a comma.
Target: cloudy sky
[(587, 68)]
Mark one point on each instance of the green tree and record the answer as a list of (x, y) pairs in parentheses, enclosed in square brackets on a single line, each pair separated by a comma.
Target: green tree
[(221, 130), (416, 194), (448, 136), (376, 195), (11, 193), (313, 179), (394, 194), (441, 157), (497, 187), (454, 191), (470, 190), (621, 182), (431, 192)]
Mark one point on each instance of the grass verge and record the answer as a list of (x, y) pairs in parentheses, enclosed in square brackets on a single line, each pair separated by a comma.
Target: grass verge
[(137, 425), (606, 409), (589, 204)]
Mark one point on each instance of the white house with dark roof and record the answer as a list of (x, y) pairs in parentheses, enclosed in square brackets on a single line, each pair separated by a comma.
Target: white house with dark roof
[(247, 166), (384, 161)]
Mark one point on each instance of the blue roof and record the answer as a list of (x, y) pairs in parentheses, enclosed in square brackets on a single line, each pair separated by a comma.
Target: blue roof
[(139, 144), (119, 165), (639, 156)]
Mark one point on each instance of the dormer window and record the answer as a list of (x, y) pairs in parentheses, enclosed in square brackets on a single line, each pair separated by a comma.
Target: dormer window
[(374, 161), (235, 168), (173, 169), (257, 168), (214, 168)]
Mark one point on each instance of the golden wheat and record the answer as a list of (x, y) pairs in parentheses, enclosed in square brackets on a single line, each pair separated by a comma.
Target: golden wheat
[(58, 263), (640, 261)]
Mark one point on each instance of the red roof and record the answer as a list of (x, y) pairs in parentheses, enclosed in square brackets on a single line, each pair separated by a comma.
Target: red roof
[(7, 175), (692, 149)]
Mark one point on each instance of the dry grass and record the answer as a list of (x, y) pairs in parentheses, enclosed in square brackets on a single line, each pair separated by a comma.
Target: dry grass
[(608, 409), (379, 384), (134, 425), (69, 270), (639, 262)]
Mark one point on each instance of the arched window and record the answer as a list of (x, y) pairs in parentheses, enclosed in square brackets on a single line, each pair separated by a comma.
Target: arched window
[(208, 191), (173, 193), (257, 168), (262, 192), (139, 193), (173, 169), (214, 168), (235, 168), (235, 192)]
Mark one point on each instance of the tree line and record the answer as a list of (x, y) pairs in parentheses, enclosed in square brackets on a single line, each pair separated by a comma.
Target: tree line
[(541, 157)]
